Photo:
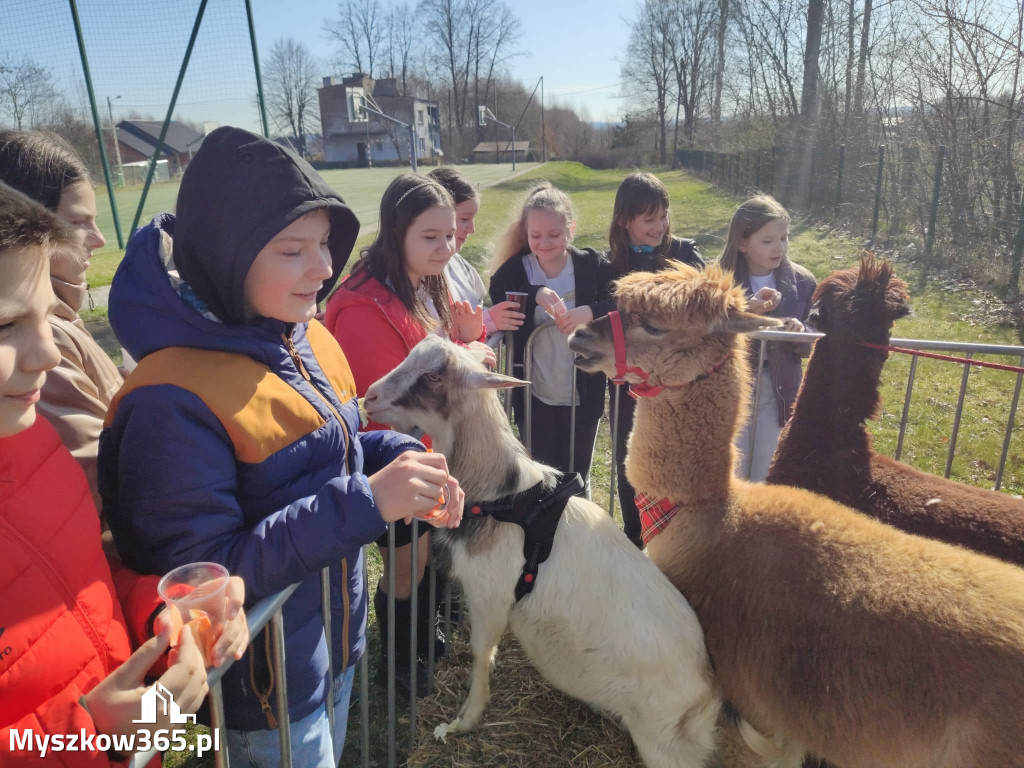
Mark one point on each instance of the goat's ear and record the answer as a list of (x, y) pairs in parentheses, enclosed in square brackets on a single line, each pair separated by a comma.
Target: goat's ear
[(743, 322), (491, 380)]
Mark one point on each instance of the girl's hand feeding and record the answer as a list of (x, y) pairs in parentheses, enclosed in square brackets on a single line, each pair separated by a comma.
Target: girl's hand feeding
[(467, 321), (411, 485), (765, 300), (574, 318), (484, 353), (793, 325), (547, 299)]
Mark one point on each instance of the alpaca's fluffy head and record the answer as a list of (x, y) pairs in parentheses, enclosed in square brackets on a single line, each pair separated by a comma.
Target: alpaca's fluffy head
[(677, 323), (860, 303)]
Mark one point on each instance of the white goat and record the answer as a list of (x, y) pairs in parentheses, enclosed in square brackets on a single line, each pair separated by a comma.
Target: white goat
[(603, 623)]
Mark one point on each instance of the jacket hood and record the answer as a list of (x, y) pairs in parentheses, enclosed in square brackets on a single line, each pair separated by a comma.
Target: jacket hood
[(238, 192), (147, 313)]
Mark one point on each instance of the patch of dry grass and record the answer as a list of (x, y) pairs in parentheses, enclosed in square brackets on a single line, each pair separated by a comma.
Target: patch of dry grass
[(527, 723)]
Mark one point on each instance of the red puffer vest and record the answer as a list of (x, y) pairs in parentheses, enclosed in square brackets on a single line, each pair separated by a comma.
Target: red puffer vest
[(62, 629)]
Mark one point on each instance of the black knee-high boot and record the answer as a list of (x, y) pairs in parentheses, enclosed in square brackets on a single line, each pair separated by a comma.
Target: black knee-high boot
[(430, 621), (403, 634)]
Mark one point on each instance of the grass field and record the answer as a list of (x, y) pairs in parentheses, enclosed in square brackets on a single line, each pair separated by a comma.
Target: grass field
[(703, 213), (360, 187)]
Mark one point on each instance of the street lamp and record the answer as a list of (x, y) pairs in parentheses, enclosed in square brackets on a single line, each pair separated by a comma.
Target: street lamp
[(117, 144)]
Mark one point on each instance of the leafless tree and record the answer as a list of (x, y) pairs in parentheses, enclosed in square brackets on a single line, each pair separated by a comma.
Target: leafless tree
[(722, 31), (692, 31), (359, 30), (25, 89), (471, 40), (401, 26), (291, 82), (648, 68)]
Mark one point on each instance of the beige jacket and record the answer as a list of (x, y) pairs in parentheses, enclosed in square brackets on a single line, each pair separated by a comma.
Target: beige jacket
[(77, 392)]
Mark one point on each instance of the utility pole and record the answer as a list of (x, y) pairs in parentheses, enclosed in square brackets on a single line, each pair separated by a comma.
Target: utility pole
[(543, 132), (117, 144)]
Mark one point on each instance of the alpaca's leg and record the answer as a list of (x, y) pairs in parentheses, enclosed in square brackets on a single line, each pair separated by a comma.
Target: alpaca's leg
[(487, 624)]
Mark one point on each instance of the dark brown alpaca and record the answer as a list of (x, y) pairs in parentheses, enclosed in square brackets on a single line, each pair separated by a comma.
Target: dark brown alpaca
[(826, 447)]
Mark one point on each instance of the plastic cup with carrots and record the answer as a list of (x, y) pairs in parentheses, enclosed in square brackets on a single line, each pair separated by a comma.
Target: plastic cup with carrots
[(440, 508), (199, 592)]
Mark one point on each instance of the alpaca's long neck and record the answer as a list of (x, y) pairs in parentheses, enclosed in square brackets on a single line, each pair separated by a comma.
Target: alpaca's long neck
[(681, 445), (483, 453), (839, 392)]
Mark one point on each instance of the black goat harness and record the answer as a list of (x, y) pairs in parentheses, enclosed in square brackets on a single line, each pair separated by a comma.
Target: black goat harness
[(537, 511)]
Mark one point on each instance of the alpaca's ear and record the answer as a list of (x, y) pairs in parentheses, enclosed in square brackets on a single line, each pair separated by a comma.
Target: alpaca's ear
[(491, 380), (744, 322)]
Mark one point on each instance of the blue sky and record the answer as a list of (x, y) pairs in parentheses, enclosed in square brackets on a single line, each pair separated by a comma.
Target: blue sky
[(135, 50), (576, 45)]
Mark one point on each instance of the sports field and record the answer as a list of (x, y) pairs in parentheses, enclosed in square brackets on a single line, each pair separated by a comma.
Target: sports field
[(361, 188)]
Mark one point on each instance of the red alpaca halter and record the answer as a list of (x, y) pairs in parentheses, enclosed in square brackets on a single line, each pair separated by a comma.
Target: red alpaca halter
[(644, 389)]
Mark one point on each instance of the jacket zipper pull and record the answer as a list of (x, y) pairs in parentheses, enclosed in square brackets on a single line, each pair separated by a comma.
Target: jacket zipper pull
[(295, 357)]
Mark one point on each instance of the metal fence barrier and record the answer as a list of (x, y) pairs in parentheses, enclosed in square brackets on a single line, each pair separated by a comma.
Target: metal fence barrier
[(268, 611)]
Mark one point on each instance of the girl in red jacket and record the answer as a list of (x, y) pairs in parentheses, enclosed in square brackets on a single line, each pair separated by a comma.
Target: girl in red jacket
[(378, 314), (66, 666)]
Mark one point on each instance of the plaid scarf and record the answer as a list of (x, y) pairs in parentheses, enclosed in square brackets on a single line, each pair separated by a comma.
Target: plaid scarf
[(655, 515)]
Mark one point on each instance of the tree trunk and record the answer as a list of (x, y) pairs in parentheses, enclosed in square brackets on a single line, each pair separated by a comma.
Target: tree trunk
[(723, 24), (851, 24), (804, 147), (862, 60), (812, 51), (679, 98)]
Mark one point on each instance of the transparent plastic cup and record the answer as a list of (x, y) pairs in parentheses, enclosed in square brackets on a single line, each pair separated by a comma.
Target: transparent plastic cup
[(557, 309), (518, 297), (199, 592)]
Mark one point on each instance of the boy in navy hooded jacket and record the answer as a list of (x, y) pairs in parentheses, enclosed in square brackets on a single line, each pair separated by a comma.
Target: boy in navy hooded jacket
[(235, 439)]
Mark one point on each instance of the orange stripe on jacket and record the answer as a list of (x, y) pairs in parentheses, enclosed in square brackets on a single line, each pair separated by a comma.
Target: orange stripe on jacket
[(259, 410)]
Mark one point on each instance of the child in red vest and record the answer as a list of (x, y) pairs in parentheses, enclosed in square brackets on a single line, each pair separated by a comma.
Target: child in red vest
[(68, 617)]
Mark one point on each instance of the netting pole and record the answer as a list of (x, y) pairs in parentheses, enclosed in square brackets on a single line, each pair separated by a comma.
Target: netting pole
[(170, 113), (96, 122), (256, 64)]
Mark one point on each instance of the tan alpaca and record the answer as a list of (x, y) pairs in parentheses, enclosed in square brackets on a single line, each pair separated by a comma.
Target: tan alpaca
[(834, 633)]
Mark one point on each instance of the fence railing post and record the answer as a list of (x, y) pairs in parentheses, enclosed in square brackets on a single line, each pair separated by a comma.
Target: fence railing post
[(1018, 250), (878, 192), (839, 180), (277, 656), (933, 213)]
